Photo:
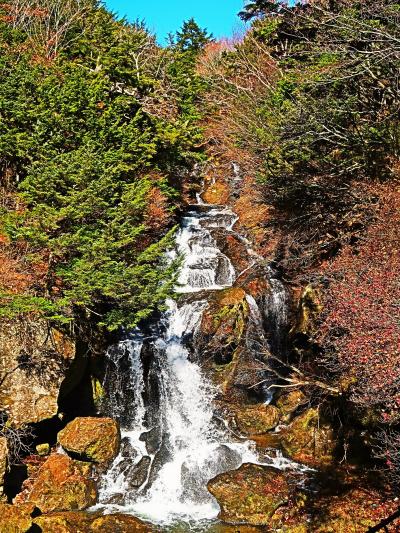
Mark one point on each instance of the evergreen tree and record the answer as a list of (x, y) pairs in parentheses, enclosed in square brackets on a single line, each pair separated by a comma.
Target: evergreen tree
[(259, 8), (192, 38)]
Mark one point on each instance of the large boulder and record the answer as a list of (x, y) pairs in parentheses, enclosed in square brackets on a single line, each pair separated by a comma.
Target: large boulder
[(91, 439), (258, 419), (119, 523), (63, 484), (3, 464), (15, 519), (250, 495), (309, 440), (32, 352), (289, 402), (79, 522)]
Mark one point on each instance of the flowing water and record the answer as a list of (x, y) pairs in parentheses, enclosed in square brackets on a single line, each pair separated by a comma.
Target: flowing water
[(172, 443)]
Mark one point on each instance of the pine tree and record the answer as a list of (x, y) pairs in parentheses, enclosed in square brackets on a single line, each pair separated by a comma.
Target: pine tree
[(259, 8), (192, 38)]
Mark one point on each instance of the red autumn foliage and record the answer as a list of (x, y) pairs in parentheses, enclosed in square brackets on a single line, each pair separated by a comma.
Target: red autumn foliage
[(361, 325), (158, 215)]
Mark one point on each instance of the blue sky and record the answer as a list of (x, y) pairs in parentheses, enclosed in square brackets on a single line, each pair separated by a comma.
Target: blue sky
[(164, 16)]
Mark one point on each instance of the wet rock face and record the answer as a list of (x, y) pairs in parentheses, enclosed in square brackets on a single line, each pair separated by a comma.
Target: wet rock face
[(308, 440), (3, 464), (136, 473), (223, 324), (257, 420), (250, 495), (231, 246), (91, 439), (31, 352), (63, 484)]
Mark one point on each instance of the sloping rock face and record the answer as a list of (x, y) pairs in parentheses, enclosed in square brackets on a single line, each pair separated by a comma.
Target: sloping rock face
[(3, 464), (63, 484), (223, 324), (307, 440), (251, 495), (32, 353), (91, 439)]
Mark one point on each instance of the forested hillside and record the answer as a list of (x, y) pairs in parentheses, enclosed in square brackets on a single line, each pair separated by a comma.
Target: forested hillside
[(308, 104), (98, 129)]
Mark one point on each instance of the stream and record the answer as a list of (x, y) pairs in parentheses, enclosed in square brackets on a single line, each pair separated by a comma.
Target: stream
[(172, 442)]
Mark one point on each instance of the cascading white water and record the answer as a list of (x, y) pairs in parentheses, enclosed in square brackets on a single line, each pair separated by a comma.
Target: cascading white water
[(190, 448), (205, 268)]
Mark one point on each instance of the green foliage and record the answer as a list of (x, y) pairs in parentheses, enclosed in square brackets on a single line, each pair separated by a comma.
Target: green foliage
[(12, 305), (86, 156), (258, 8), (185, 47), (191, 38)]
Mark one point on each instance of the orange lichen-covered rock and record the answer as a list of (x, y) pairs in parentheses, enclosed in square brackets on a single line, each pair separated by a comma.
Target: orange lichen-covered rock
[(216, 193), (92, 439), (63, 484), (119, 523), (16, 519), (80, 522), (258, 419), (251, 495)]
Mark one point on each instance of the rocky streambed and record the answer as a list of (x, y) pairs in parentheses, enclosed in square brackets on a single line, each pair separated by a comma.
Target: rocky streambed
[(185, 424)]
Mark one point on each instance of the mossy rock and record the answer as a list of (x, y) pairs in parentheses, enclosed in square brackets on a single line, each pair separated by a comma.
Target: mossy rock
[(80, 522), (227, 528), (258, 419), (119, 523), (63, 484), (15, 519), (91, 439), (98, 392), (287, 403), (308, 440), (308, 311), (43, 449), (223, 324), (250, 495)]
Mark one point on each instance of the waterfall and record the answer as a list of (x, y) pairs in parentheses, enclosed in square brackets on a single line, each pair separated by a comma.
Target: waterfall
[(172, 445)]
